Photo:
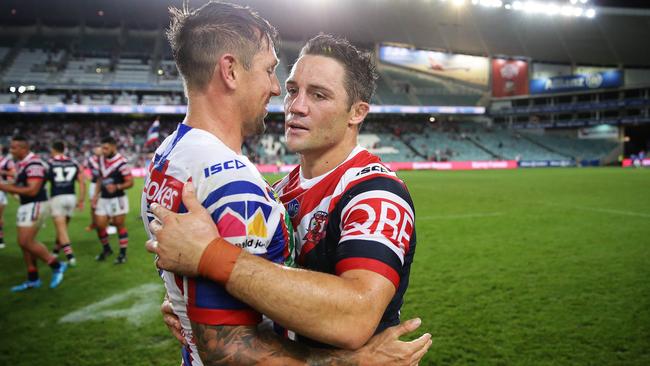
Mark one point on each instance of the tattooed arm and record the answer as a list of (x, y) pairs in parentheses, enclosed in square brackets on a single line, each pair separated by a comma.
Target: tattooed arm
[(247, 345)]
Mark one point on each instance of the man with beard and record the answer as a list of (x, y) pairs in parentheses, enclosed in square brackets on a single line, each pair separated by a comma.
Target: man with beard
[(367, 244), (110, 200)]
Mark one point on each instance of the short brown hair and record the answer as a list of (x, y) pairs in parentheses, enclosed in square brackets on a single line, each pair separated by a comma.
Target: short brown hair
[(198, 37), (360, 69), (58, 146)]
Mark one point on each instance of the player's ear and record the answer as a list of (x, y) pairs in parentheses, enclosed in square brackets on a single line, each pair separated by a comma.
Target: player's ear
[(358, 113), (225, 70)]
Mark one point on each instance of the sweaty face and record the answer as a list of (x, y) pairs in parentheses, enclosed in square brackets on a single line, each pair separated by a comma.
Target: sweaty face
[(260, 84), (316, 107)]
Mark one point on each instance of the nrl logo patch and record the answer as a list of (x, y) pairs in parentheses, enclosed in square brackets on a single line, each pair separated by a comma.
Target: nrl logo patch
[(293, 207)]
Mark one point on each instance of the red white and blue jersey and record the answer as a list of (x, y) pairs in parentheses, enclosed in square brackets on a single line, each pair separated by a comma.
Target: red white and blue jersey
[(6, 164), (113, 170), (92, 163), (243, 207), (62, 174), (357, 216), (31, 168)]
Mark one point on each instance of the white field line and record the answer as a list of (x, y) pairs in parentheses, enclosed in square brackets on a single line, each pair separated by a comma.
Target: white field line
[(602, 210), (461, 216), (147, 304)]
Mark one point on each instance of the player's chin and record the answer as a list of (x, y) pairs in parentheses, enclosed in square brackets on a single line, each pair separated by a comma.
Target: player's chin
[(258, 127), (295, 144)]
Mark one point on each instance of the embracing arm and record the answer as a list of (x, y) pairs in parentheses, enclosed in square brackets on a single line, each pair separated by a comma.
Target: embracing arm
[(248, 345), (342, 311)]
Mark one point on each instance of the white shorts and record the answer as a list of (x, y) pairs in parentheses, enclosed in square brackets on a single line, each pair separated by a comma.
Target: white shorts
[(3, 198), (32, 214), (63, 204), (91, 190), (112, 207)]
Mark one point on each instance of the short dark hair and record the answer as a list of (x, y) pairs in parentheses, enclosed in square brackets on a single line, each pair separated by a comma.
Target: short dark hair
[(20, 138), (109, 140), (360, 69), (198, 38), (58, 146)]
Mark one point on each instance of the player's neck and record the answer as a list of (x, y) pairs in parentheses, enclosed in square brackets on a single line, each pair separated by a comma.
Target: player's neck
[(317, 163), (24, 157), (217, 118)]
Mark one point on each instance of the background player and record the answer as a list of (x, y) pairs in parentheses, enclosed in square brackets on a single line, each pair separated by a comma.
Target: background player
[(63, 173), (6, 176), (92, 164), (29, 184), (110, 200)]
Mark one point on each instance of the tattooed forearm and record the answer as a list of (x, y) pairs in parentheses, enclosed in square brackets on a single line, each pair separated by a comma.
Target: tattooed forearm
[(246, 345)]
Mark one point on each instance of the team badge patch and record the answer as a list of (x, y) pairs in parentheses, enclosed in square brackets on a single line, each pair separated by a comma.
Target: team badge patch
[(316, 230), (293, 207)]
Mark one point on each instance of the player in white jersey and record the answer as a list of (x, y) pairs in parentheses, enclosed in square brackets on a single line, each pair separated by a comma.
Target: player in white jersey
[(242, 206), (227, 99)]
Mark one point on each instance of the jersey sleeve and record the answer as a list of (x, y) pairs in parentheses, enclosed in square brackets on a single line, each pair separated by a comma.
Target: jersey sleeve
[(242, 207), (49, 173), (36, 171), (377, 223), (125, 169)]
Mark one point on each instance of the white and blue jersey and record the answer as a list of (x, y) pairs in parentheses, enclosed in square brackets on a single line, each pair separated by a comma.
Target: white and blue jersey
[(244, 208)]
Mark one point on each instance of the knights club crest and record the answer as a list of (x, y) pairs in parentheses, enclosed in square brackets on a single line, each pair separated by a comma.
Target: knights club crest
[(316, 231)]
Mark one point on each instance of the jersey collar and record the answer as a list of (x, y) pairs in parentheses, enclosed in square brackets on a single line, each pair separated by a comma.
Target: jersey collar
[(308, 183)]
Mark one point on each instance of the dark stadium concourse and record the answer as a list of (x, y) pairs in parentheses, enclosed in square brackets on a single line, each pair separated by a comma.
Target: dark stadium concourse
[(431, 24), (639, 140)]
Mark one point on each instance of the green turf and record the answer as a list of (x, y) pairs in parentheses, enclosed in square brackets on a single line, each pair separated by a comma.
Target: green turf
[(524, 267)]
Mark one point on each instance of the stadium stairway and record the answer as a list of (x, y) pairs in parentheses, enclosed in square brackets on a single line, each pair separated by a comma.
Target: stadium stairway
[(413, 149), (384, 71), (13, 53), (484, 148), (612, 157), (543, 146)]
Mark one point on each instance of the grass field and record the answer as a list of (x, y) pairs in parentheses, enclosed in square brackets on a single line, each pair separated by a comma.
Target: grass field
[(524, 267)]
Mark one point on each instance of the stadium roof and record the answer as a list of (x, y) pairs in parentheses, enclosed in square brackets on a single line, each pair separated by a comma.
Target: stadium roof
[(615, 37)]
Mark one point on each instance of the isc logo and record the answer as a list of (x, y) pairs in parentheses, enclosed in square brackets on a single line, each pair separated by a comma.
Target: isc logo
[(373, 168), (216, 168), (164, 190)]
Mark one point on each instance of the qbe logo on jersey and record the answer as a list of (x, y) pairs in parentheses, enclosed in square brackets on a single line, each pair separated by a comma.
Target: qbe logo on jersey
[(163, 189), (388, 216)]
